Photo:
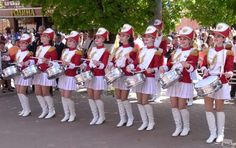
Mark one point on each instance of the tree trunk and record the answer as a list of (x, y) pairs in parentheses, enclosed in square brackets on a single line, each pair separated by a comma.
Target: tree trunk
[(158, 13)]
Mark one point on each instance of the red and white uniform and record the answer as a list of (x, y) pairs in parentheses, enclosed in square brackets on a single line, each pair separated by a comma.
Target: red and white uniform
[(148, 57), (67, 81), (184, 87), (19, 57), (217, 61), (120, 60), (100, 54), (48, 52)]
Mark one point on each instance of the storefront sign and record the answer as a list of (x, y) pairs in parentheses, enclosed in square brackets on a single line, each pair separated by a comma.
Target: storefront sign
[(23, 12)]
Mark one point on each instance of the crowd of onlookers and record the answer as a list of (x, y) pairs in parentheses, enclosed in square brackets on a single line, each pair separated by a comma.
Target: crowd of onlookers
[(9, 43)]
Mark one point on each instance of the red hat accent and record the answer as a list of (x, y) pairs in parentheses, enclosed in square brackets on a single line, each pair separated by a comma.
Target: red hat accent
[(49, 32), (25, 38), (186, 32), (222, 29), (127, 29), (103, 32), (73, 35), (151, 30), (158, 24)]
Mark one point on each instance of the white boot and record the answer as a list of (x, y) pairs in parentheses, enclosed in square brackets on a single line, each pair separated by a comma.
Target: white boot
[(71, 105), (190, 102), (51, 109), (186, 124), (101, 112), (43, 105), (94, 110), (211, 121), (178, 123), (27, 110), (21, 103), (128, 109), (121, 109), (149, 111), (220, 126), (66, 110), (143, 117)]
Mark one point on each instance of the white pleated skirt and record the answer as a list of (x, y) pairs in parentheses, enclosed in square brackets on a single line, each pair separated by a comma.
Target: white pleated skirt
[(148, 87), (41, 79), (19, 80), (67, 83), (97, 83), (120, 83), (181, 90), (223, 93)]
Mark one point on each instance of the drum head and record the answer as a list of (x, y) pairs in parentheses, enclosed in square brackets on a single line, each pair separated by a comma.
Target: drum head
[(206, 81)]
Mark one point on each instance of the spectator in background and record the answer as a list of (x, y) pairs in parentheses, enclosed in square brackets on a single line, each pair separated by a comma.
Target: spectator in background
[(233, 80), (5, 58), (37, 41), (88, 43), (59, 45)]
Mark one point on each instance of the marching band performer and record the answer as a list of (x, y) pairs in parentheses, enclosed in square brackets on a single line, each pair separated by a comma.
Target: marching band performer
[(147, 60), (23, 59), (98, 59), (185, 59), (71, 57), (44, 54), (124, 56), (218, 62)]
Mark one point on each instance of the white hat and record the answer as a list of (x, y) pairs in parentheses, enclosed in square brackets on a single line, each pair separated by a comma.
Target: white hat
[(158, 24), (25, 37), (103, 32), (151, 30), (222, 29), (73, 35), (186, 32), (49, 32), (127, 29)]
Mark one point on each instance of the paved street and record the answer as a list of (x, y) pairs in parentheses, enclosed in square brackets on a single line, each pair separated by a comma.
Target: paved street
[(31, 132)]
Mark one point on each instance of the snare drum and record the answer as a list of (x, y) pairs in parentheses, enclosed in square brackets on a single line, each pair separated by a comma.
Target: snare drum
[(30, 71), (10, 72), (135, 80), (55, 71), (83, 77), (208, 85), (113, 75), (169, 78)]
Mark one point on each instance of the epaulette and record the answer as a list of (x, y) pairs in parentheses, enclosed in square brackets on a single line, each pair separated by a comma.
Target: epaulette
[(79, 52), (135, 49), (158, 52), (30, 53), (51, 49), (164, 38), (194, 52), (230, 52)]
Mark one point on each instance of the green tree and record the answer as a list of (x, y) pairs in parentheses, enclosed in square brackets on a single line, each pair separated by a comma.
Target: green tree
[(87, 14)]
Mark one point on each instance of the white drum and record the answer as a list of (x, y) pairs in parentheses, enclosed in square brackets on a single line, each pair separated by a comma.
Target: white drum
[(113, 75), (169, 78), (83, 77), (208, 85), (10, 72), (30, 71), (135, 80), (55, 71)]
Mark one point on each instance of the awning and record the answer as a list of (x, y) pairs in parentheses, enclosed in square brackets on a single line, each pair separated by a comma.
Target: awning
[(20, 12)]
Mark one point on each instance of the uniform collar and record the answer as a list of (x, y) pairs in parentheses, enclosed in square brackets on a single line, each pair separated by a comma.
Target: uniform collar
[(99, 47), (185, 49), (150, 47), (125, 46), (219, 48), (46, 45), (70, 49)]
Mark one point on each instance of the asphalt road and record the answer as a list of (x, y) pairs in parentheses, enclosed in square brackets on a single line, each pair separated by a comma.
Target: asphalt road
[(31, 132)]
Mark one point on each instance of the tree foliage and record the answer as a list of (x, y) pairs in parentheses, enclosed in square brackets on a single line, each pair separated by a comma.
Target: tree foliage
[(112, 14), (87, 14), (211, 12)]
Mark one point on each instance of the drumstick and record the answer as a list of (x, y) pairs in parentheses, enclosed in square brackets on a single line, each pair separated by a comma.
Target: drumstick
[(85, 59)]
